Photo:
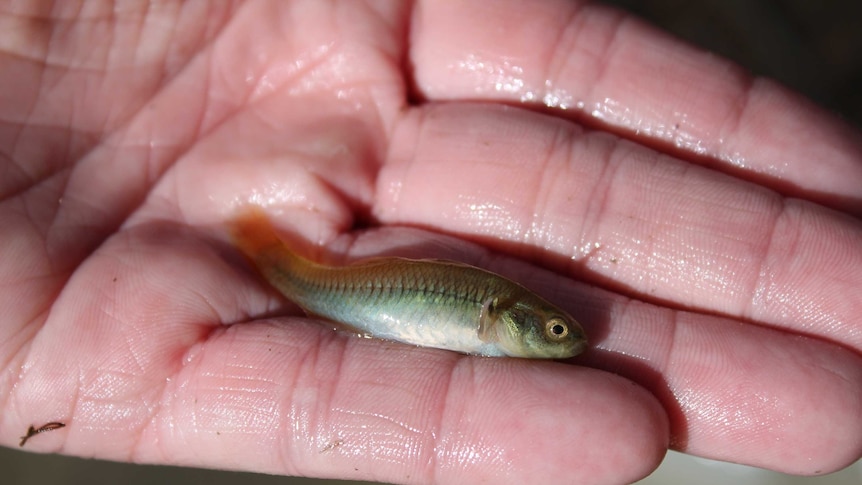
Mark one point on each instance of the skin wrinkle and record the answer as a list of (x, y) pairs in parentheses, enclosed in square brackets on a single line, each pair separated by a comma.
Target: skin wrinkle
[(550, 71), (601, 63), (326, 408), (438, 458), (11, 164), (110, 33), (288, 454), (446, 456), (153, 407), (672, 348), (329, 411), (813, 312), (611, 171), (42, 312), (535, 236), (593, 212), (47, 64), (431, 444), (138, 34), (733, 121), (679, 421), (763, 279), (39, 81), (25, 347), (338, 386), (165, 68)]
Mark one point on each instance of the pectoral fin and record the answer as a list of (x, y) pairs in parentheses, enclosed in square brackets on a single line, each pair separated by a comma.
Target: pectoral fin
[(487, 318)]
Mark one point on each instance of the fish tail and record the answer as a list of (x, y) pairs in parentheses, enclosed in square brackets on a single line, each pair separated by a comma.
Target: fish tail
[(254, 235)]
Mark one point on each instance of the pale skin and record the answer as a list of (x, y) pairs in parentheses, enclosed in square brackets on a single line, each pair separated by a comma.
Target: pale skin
[(714, 257)]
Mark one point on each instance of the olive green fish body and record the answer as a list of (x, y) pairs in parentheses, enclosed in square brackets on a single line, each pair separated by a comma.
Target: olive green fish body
[(430, 303)]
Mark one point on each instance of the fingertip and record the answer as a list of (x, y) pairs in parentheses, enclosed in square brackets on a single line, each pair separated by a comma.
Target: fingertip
[(548, 423)]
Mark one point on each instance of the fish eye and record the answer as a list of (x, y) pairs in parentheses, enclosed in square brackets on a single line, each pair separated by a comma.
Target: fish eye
[(556, 329)]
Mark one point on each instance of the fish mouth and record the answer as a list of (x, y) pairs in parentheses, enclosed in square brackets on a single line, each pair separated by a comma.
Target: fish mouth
[(579, 347)]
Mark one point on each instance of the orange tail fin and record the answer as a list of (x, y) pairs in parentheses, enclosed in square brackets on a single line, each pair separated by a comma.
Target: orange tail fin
[(253, 233)]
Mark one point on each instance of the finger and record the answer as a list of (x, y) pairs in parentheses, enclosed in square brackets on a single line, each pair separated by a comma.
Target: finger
[(733, 391), (737, 392), (620, 215), (441, 418), (151, 375), (606, 69)]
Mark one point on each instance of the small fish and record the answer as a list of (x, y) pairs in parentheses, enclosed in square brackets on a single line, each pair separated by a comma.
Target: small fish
[(430, 303)]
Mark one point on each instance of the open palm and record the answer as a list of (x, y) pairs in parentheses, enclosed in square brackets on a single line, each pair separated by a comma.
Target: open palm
[(717, 272)]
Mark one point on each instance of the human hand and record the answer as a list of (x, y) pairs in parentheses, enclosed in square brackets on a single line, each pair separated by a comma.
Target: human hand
[(719, 294)]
